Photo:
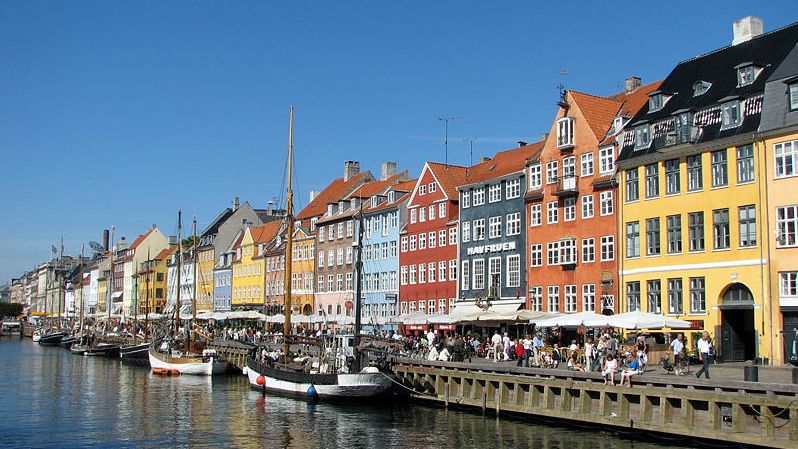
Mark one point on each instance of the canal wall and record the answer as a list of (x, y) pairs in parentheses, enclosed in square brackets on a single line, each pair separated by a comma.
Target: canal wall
[(730, 411)]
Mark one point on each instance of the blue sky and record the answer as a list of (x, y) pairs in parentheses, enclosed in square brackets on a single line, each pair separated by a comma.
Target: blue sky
[(119, 114)]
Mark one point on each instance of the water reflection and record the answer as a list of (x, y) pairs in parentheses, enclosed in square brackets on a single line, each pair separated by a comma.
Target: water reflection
[(53, 399)]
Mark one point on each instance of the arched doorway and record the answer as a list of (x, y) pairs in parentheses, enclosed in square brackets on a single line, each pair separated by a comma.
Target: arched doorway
[(737, 332), (307, 309)]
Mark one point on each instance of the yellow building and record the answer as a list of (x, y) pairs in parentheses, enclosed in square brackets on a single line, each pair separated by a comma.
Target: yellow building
[(248, 270), (204, 281), (303, 270), (152, 282), (697, 196)]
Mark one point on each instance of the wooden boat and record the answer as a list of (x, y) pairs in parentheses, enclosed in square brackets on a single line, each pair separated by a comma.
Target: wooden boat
[(102, 350), (135, 354), (51, 339), (327, 380), (78, 349), (68, 341), (206, 364)]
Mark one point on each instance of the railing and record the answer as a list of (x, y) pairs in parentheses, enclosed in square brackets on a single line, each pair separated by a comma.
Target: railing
[(565, 142), (565, 186), (679, 135)]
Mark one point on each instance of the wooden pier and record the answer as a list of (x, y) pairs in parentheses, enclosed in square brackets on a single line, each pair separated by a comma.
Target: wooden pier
[(234, 352), (735, 412)]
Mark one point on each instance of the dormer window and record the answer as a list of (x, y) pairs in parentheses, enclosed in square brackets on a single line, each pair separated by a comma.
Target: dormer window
[(355, 203), (341, 206), (793, 96), (617, 124), (746, 74), (391, 196), (730, 114), (565, 132), (329, 209), (642, 137), (374, 201), (700, 88), (656, 101)]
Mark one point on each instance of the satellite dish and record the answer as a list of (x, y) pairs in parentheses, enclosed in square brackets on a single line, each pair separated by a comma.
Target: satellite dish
[(96, 247)]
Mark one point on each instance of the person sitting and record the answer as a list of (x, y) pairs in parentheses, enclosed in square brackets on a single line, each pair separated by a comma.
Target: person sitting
[(443, 355), (610, 366), (433, 354), (573, 364), (632, 368)]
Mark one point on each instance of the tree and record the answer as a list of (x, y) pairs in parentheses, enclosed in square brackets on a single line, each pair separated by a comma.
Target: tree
[(10, 309)]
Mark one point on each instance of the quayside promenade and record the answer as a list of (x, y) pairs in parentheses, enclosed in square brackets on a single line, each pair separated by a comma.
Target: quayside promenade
[(751, 413)]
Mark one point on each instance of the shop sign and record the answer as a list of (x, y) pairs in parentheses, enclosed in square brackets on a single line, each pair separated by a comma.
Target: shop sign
[(494, 248)]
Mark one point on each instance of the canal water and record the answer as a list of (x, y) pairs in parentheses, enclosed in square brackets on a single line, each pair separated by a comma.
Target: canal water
[(50, 398)]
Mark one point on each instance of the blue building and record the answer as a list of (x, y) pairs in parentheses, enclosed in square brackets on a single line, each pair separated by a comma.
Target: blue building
[(384, 216), (492, 229)]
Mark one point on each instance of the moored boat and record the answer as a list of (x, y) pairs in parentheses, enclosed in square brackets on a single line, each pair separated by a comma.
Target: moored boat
[(51, 339), (102, 350), (206, 364), (68, 341), (78, 349), (135, 354)]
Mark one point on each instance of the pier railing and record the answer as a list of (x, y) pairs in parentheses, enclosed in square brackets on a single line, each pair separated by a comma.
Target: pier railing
[(735, 412)]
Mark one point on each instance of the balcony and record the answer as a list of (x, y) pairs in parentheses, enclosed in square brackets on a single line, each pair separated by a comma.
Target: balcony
[(565, 142), (565, 187), (679, 135)]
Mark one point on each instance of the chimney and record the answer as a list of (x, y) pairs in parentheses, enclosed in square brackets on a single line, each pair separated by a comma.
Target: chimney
[(351, 168), (388, 170), (172, 240), (121, 244), (153, 226), (544, 136), (521, 143), (235, 204), (106, 239), (484, 159), (632, 83), (313, 195), (746, 29)]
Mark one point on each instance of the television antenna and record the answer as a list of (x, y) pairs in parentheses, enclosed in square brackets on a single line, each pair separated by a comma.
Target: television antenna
[(446, 121)]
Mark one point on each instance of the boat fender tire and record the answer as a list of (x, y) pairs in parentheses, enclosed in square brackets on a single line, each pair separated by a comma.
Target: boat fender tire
[(312, 392)]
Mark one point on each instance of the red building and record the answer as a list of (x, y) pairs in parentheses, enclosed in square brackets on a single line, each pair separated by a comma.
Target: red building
[(428, 243), (572, 204)]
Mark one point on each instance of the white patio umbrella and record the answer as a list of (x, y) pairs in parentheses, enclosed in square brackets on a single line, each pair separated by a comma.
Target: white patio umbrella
[(573, 320), (643, 320)]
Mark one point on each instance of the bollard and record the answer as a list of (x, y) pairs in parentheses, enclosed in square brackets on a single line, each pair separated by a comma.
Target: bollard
[(751, 373)]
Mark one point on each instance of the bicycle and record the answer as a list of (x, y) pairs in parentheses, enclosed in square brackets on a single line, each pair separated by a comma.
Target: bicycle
[(680, 367)]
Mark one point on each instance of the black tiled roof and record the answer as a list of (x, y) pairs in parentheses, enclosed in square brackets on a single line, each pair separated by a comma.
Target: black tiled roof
[(718, 68)]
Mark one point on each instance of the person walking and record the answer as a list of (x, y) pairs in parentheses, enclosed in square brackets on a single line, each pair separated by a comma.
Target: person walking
[(705, 353), (496, 341), (677, 346), (537, 347)]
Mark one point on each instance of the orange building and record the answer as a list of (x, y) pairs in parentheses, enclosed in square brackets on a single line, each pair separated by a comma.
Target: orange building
[(572, 203)]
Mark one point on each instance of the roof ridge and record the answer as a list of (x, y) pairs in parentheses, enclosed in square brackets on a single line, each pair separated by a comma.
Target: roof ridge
[(717, 50), (597, 96)]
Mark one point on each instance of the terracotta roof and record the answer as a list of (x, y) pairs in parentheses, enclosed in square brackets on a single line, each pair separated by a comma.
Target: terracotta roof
[(266, 232), (503, 163), (332, 193), (141, 238), (405, 186), (166, 253), (599, 112), (372, 188), (633, 101), (386, 204), (449, 177)]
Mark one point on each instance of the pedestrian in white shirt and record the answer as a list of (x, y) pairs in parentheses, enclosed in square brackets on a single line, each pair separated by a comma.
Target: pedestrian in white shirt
[(496, 341), (705, 353)]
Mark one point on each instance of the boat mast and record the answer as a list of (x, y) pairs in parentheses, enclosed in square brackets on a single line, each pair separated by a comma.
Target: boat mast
[(147, 305), (179, 267), (81, 295), (358, 287), (61, 281), (289, 219), (194, 295), (109, 283)]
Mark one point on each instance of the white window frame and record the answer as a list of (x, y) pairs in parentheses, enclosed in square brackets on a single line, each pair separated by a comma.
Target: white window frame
[(586, 164), (536, 255), (535, 177), (787, 226), (565, 132), (607, 161), (588, 250), (588, 206), (535, 215), (785, 156), (494, 193), (512, 189)]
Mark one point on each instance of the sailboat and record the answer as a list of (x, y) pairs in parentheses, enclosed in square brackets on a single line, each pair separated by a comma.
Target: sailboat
[(321, 379), (164, 355), (103, 349), (138, 353)]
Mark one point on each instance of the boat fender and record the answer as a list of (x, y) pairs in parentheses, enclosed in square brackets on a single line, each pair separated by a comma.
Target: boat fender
[(312, 392), (245, 371), (370, 370), (261, 380)]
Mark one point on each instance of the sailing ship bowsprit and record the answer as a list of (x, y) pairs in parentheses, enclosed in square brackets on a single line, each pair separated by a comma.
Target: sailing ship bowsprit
[(325, 379)]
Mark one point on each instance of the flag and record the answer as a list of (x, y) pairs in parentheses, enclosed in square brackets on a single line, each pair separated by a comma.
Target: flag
[(54, 249)]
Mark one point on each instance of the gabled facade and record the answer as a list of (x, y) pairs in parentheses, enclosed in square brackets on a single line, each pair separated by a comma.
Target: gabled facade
[(152, 281), (272, 254), (248, 282), (383, 217), (303, 262), (492, 224), (223, 276), (779, 132), (693, 172), (435, 189), (153, 242), (571, 202), (185, 282)]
